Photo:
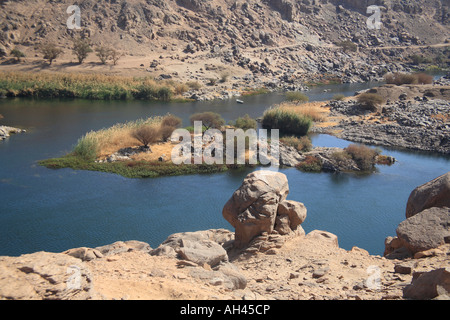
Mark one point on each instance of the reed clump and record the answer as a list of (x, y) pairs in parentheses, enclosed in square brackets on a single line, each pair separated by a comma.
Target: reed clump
[(87, 86)]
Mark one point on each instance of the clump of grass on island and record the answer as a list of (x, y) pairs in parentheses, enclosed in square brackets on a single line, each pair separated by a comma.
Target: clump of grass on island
[(88, 86), (287, 121)]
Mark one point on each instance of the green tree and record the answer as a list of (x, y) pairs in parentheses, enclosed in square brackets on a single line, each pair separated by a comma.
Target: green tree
[(16, 53), (208, 119), (81, 48), (50, 52)]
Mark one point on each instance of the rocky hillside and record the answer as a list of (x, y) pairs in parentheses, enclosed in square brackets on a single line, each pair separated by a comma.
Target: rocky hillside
[(283, 39)]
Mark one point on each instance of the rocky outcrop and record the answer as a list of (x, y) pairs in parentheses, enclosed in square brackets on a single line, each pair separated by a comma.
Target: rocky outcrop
[(435, 193), (434, 284), (45, 276), (428, 221), (416, 125), (426, 230), (259, 206)]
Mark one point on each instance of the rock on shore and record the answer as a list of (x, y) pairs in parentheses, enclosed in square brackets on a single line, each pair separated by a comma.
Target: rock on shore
[(5, 131)]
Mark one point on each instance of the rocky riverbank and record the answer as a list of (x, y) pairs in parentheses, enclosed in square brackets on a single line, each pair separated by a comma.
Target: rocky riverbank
[(268, 257), (5, 131), (415, 117)]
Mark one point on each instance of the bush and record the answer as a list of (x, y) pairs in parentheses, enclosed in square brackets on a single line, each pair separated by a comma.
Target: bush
[(302, 144), (245, 123), (423, 78), (16, 53), (339, 97), (347, 46), (296, 97), (370, 101), (146, 135), (50, 52), (171, 121), (87, 148), (103, 53), (81, 48), (364, 156), (166, 132), (208, 119), (164, 94), (288, 122), (310, 164), (194, 85)]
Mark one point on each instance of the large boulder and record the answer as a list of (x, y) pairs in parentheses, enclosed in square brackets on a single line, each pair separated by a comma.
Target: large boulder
[(435, 193), (252, 209), (45, 276), (290, 215), (426, 230), (429, 285), (198, 247)]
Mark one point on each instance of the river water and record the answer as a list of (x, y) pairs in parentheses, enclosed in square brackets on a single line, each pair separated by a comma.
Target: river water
[(55, 210)]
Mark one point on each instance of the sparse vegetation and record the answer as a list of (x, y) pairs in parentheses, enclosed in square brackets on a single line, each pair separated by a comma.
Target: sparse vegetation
[(338, 97), (302, 144), (310, 164), (17, 54), (288, 122), (50, 52), (347, 46), (210, 120), (146, 135), (245, 123), (295, 96), (408, 78), (364, 156), (103, 53), (370, 101), (81, 48), (84, 86), (194, 85)]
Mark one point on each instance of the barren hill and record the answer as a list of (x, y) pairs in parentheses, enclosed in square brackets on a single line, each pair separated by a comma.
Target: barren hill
[(269, 39)]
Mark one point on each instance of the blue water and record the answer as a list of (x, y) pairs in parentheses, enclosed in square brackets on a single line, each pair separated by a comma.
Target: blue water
[(54, 210)]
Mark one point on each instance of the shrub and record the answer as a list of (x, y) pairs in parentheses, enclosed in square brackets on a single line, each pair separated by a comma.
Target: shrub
[(50, 52), (194, 85), (288, 122), (115, 56), (296, 97), (16, 53), (166, 132), (171, 121), (347, 46), (245, 123), (81, 48), (423, 78), (146, 135), (302, 144), (370, 101), (87, 147), (407, 78), (103, 53), (310, 164), (364, 156), (164, 94), (208, 119), (224, 76), (338, 97)]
